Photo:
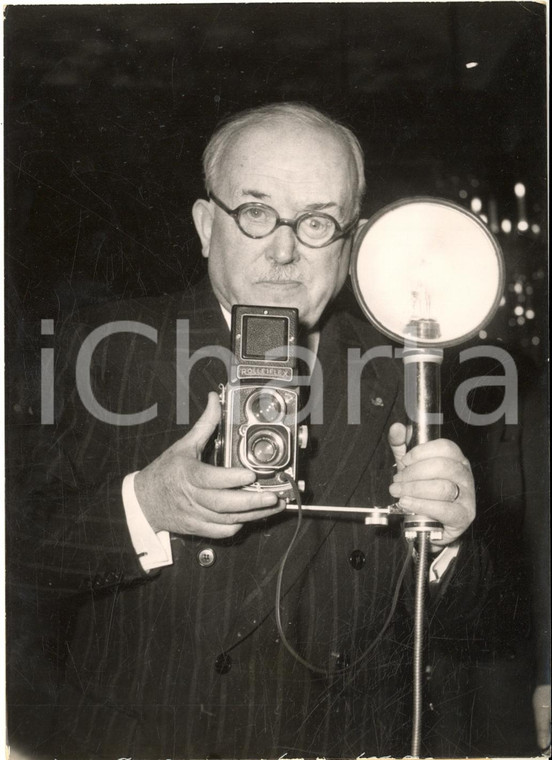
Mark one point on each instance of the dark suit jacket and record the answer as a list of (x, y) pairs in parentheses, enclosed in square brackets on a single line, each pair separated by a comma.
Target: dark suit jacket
[(187, 661)]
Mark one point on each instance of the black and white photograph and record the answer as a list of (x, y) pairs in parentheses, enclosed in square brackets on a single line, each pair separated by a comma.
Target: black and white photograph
[(276, 380)]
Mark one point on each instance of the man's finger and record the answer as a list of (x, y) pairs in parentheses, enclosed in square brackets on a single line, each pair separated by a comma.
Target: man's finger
[(238, 518), (204, 428), (237, 501), (397, 442), (436, 490), (225, 525), (206, 476), (452, 515), (435, 468), (440, 447)]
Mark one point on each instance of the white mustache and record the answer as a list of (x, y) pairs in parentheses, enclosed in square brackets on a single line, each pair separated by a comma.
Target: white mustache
[(286, 273)]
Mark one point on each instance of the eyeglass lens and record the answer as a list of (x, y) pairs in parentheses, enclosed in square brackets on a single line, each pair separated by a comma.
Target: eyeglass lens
[(311, 229)]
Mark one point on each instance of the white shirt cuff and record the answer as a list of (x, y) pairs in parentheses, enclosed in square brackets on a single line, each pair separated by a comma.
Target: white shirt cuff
[(441, 563), (153, 549)]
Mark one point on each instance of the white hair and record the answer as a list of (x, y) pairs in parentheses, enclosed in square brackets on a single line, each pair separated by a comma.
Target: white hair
[(301, 113)]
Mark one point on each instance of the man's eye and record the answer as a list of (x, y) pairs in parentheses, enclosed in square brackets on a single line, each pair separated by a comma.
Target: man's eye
[(318, 226), (255, 214)]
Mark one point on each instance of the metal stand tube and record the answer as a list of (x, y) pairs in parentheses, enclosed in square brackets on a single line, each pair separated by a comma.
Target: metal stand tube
[(418, 652), (422, 379), (423, 405)]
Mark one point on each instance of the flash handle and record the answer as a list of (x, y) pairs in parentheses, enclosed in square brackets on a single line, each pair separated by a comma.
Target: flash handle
[(422, 382)]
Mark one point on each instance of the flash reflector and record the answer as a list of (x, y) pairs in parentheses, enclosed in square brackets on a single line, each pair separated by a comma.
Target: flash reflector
[(425, 269)]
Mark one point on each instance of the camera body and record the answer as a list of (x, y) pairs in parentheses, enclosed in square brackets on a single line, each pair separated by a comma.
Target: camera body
[(259, 426)]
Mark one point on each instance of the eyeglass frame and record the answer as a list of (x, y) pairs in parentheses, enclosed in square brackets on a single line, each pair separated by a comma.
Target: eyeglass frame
[(339, 233)]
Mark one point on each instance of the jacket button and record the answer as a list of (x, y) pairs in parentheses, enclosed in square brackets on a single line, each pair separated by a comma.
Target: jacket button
[(357, 559), (343, 661), (223, 663), (206, 557)]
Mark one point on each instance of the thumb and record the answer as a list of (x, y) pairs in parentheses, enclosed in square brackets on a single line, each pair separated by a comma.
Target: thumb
[(397, 440), (206, 425)]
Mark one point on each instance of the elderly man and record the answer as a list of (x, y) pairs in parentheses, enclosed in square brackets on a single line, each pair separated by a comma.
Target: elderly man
[(166, 570)]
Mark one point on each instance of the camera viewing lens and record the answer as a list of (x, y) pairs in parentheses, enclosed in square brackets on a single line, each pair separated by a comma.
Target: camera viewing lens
[(267, 406)]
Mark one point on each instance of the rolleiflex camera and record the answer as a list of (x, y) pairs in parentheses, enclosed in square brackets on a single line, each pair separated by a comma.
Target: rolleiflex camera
[(259, 428)]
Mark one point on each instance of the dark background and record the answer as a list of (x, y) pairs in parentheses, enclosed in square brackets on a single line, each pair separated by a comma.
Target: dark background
[(108, 109)]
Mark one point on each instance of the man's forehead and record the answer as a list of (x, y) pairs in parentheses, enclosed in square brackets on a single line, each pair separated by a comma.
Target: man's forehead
[(285, 137), (291, 153)]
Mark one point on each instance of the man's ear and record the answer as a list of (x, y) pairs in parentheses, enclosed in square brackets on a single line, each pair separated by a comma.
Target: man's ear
[(202, 214), (360, 225)]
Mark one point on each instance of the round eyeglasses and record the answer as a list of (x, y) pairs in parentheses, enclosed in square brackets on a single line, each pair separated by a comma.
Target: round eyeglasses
[(313, 228)]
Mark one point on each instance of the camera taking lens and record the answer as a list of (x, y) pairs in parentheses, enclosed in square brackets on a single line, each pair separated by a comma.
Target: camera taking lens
[(266, 449)]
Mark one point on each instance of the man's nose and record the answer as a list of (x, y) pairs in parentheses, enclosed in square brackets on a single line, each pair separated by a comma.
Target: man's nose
[(282, 248)]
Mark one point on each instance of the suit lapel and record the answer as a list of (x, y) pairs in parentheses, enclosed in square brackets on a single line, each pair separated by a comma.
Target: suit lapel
[(344, 450), (206, 327)]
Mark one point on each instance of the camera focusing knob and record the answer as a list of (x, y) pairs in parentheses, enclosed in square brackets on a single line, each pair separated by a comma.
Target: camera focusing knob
[(302, 436)]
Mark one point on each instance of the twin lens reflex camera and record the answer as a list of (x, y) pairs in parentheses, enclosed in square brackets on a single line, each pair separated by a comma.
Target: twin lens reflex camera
[(259, 427)]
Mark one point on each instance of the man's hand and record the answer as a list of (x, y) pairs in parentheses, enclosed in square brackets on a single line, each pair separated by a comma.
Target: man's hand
[(434, 479), (541, 711), (180, 493)]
